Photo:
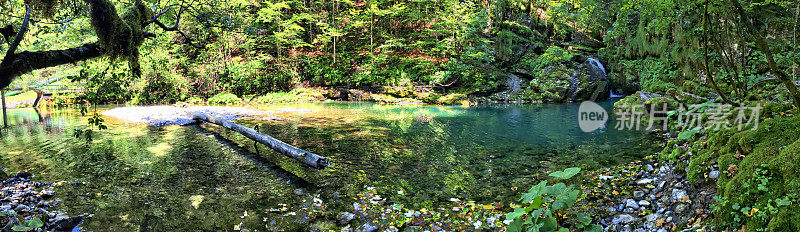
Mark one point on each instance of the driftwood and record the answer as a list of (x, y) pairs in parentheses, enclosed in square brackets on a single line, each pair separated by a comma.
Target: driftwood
[(305, 157)]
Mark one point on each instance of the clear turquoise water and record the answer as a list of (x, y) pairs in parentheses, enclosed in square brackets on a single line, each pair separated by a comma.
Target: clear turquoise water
[(135, 177)]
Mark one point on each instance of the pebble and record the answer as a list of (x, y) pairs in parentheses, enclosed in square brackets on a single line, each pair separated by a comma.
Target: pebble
[(622, 219), (630, 203), (644, 203), (713, 174), (644, 181), (677, 194)]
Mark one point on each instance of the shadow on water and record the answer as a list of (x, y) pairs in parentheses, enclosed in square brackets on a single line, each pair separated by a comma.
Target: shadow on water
[(275, 170), (205, 177)]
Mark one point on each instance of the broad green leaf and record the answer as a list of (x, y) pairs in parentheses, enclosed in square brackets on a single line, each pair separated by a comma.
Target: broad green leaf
[(594, 228), (34, 223), (515, 226), (550, 224), (518, 212), (534, 192), (687, 134), (566, 174), (21, 228)]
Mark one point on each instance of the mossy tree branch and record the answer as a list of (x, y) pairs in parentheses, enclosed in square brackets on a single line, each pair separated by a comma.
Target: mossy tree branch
[(119, 35)]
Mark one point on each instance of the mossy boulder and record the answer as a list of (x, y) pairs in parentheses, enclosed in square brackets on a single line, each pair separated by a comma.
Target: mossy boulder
[(588, 82), (760, 179), (452, 99)]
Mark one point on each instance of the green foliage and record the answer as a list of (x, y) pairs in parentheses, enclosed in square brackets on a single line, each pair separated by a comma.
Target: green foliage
[(225, 99), (545, 207), (296, 95), (28, 225)]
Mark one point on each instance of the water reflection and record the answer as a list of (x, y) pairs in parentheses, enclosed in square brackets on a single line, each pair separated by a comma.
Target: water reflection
[(135, 177)]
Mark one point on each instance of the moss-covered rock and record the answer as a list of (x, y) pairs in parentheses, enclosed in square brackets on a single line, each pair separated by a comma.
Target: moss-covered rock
[(759, 183), (452, 99)]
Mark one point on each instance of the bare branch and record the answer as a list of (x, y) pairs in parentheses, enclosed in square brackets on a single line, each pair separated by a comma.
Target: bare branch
[(188, 39), (20, 34)]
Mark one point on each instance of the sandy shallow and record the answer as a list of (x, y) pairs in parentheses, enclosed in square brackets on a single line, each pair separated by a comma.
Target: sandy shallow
[(173, 115)]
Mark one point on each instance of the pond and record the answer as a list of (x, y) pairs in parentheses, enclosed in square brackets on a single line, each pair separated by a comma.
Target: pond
[(204, 177)]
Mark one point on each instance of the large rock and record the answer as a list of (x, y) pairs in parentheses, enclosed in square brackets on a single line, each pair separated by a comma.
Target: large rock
[(588, 82)]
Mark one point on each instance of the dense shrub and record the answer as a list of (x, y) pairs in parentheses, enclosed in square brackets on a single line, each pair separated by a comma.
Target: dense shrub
[(224, 98)]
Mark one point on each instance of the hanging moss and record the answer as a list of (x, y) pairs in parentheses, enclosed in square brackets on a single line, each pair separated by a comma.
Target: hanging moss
[(120, 36)]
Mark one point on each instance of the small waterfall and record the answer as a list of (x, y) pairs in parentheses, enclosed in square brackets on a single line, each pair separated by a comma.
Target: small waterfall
[(614, 95), (599, 65)]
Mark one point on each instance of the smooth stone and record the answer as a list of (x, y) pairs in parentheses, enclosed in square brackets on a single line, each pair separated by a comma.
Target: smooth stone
[(650, 168), (644, 181), (622, 219), (644, 203), (677, 194), (630, 203), (713, 174)]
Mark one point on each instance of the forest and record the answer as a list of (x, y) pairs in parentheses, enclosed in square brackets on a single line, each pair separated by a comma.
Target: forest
[(404, 115)]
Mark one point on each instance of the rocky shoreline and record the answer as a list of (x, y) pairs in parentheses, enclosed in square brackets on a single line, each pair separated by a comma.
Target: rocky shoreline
[(654, 196), (26, 205)]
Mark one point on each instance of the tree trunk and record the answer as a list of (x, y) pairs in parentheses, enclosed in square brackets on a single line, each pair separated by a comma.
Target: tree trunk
[(764, 47), (25, 62), (305, 157)]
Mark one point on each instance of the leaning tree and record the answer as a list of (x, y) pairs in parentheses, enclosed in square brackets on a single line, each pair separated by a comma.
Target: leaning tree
[(119, 36)]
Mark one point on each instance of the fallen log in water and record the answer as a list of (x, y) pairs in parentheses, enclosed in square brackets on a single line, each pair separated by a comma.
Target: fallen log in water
[(308, 158)]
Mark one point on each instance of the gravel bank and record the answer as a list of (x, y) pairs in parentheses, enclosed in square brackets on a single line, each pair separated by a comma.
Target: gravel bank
[(654, 196), (25, 201), (174, 115)]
